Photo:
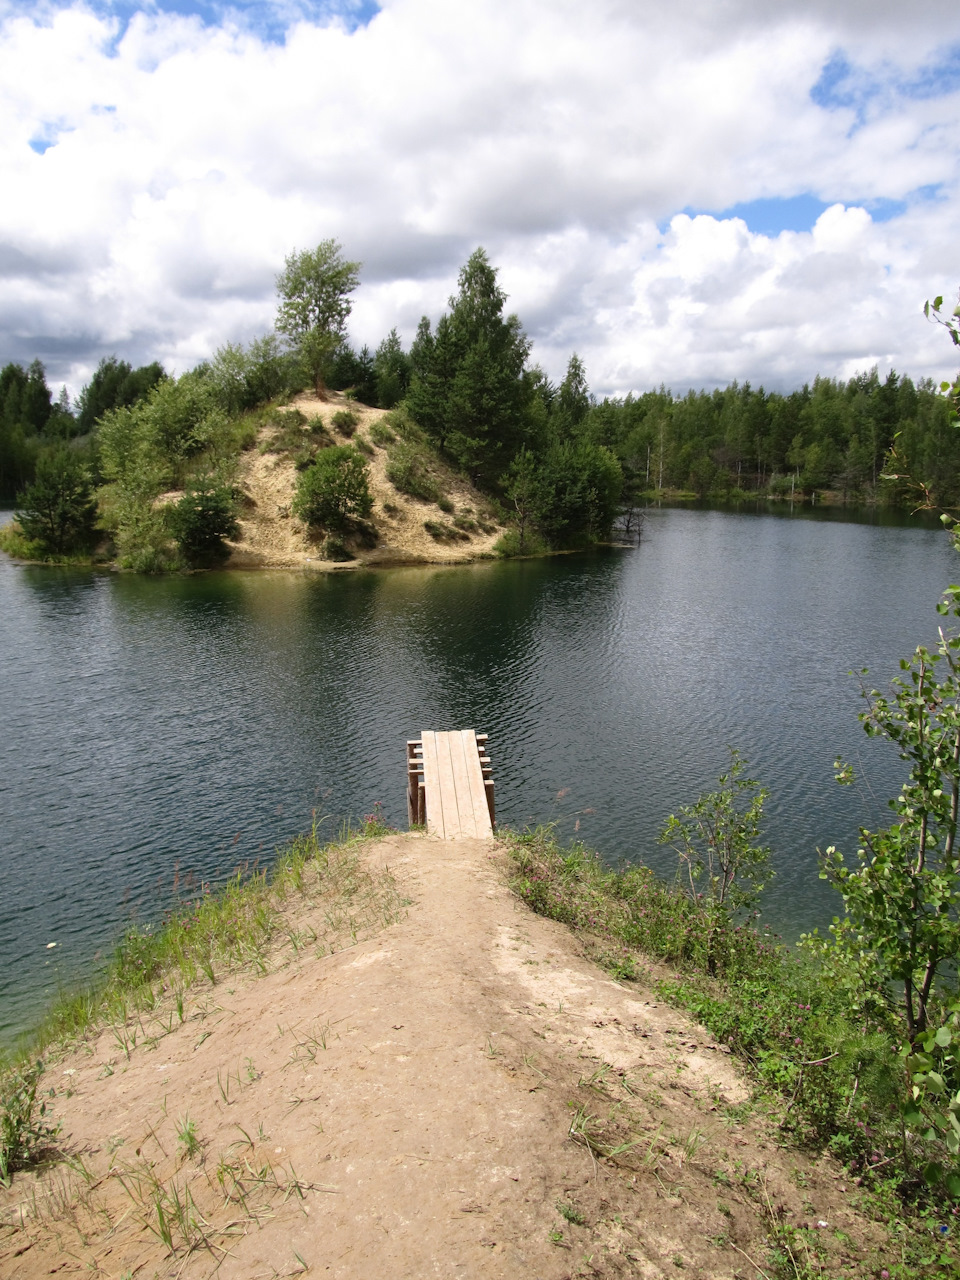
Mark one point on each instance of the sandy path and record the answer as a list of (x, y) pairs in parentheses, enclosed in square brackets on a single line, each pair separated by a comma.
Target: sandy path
[(421, 1087)]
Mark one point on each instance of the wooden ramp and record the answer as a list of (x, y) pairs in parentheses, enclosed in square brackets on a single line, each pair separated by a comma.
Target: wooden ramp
[(449, 785)]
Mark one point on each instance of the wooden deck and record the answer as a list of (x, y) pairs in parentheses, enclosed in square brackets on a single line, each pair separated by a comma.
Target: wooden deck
[(449, 785)]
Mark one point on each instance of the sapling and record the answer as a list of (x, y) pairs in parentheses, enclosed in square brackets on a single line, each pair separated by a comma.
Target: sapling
[(717, 844), (900, 935)]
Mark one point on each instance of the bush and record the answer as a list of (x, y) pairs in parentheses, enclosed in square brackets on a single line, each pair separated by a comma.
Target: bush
[(408, 472), (364, 445), (244, 378), (510, 544), (333, 491), (316, 428), (333, 549), (381, 434), (445, 505), (441, 532), (203, 518), (399, 420), (345, 421)]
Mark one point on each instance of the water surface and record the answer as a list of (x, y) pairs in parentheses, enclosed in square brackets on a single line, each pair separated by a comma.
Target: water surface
[(155, 726)]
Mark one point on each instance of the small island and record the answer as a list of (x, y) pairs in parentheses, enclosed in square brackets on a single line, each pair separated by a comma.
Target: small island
[(297, 450)]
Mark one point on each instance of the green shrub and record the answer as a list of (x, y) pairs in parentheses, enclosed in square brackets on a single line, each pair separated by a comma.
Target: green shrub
[(289, 435), (333, 491), (142, 535), (364, 445), (510, 544), (13, 542), (243, 378), (316, 428), (445, 505), (203, 518), (247, 438), (345, 421), (408, 471), (381, 434), (399, 420), (334, 549), (441, 532), (24, 1133)]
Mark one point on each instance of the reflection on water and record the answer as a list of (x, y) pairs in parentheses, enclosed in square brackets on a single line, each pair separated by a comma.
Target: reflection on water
[(197, 722)]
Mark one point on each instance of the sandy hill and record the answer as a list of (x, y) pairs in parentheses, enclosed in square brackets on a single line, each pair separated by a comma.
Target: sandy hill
[(431, 1081), (271, 535)]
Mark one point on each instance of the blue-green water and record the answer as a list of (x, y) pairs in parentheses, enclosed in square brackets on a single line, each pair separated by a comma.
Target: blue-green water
[(195, 723)]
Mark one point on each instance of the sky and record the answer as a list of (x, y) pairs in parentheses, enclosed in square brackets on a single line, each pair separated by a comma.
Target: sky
[(683, 192)]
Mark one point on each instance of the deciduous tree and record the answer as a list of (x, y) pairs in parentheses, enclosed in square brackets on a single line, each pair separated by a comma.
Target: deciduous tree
[(314, 291)]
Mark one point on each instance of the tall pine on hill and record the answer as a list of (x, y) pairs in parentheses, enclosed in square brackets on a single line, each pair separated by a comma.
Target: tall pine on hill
[(468, 391)]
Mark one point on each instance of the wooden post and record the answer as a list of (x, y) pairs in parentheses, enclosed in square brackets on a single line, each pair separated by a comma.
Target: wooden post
[(415, 799)]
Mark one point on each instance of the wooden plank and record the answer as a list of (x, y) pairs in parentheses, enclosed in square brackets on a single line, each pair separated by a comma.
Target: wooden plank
[(431, 784), (461, 782), (477, 791), (448, 788)]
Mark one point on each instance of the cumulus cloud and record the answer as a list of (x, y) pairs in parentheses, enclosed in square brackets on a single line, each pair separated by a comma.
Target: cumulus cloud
[(159, 167)]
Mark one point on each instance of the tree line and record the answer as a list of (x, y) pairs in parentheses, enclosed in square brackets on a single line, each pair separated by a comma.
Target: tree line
[(559, 462)]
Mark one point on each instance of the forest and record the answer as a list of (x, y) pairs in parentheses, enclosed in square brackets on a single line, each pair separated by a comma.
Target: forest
[(560, 465)]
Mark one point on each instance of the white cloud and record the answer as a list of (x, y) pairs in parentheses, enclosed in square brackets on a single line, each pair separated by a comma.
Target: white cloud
[(188, 160)]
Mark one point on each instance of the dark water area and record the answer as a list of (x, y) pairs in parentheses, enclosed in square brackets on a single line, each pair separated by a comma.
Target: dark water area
[(191, 724)]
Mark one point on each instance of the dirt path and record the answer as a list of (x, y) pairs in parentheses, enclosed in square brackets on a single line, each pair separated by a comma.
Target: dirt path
[(433, 1101)]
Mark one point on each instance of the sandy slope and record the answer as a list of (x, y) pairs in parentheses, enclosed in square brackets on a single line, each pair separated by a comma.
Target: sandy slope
[(419, 1100), (271, 536)]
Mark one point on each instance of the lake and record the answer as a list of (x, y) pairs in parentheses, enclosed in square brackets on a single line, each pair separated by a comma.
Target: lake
[(162, 726)]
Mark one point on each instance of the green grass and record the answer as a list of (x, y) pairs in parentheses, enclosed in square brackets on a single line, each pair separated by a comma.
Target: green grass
[(832, 1062), (797, 1029)]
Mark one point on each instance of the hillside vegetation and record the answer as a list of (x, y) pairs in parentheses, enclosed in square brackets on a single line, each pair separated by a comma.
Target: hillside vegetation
[(152, 472)]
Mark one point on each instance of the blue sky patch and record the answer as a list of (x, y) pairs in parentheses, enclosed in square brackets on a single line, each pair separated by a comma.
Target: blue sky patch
[(842, 85), (268, 19), (770, 216), (40, 145), (882, 210)]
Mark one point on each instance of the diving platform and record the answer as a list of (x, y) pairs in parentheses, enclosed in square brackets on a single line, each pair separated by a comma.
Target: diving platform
[(450, 785)]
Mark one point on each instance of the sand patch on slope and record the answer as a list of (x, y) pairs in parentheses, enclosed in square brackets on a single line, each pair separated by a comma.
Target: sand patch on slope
[(271, 536)]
